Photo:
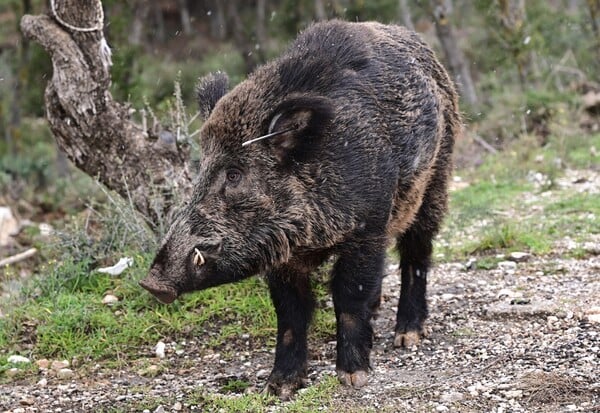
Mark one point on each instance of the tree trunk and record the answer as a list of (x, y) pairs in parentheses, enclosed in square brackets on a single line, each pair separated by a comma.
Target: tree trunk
[(454, 55), (218, 21), (405, 15), (594, 8), (141, 10), (261, 29), (513, 19), (159, 32), (186, 23), (95, 132), (320, 13)]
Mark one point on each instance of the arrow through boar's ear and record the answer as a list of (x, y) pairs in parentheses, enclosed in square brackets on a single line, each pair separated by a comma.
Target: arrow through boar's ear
[(297, 126), (209, 90)]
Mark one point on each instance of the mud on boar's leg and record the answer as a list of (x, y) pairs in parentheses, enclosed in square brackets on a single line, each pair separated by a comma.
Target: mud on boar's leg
[(356, 281), (294, 303)]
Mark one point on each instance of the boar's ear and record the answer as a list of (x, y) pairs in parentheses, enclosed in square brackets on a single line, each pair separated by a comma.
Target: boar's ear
[(297, 126), (209, 90)]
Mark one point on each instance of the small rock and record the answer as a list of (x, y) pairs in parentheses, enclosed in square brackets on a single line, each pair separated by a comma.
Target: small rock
[(43, 364), (160, 350), (159, 409), (13, 372), (177, 406), (59, 365), (513, 394), (505, 292), (43, 382), (16, 359), (262, 374), (65, 374), (519, 256), (27, 401), (441, 408), (447, 296), (594, 318), (150, 371), (110, 299), (451, 397), (551, 320), (507, 265)]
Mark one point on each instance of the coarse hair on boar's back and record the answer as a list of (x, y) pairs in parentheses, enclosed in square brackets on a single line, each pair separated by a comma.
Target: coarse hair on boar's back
[(339, 145)]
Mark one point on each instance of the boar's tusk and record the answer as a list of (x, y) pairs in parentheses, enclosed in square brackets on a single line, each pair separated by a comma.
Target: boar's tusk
[(198, 258)]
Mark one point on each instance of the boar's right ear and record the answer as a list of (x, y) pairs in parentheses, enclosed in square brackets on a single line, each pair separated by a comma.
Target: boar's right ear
[(209, 90), (297, 126)]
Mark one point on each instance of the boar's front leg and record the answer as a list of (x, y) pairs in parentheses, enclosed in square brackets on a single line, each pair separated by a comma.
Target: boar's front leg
[(294, 303), (355, 286)]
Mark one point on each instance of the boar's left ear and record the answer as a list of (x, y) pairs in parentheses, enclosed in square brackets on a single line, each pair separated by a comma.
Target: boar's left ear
[(209, 90), (297, 126)]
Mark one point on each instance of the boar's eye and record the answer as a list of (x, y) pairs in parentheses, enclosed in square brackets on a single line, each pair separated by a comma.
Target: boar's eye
[(234, 176)]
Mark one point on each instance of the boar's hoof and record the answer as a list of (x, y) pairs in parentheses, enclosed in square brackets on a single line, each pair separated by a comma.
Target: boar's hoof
[(357, 379), (407, 339), (284, 389)]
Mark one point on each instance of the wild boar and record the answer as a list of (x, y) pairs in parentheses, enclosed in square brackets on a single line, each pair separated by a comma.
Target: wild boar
[(331, 150)]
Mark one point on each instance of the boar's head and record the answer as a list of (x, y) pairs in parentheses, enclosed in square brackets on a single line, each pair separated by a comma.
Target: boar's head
[(249, 207)]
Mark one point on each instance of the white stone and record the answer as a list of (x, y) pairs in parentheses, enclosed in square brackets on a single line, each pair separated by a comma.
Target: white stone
[(65, 374), (8, 226), (160, 350), (507, 265), (15, 359), (519, 256), (110, 299)]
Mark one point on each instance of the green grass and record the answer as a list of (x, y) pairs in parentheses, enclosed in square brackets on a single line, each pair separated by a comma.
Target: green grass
[(502, 210)]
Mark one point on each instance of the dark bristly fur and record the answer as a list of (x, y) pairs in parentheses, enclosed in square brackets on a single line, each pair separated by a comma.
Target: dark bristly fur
[(366, 119)]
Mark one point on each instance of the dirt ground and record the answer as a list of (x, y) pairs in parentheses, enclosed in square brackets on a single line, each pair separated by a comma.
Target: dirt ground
[(524, 337)]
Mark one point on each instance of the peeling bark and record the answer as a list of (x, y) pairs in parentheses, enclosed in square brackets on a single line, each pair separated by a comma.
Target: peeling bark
[(96, 132)]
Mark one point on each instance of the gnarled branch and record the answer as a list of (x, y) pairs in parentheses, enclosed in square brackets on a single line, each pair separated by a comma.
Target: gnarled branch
[(95, 131)]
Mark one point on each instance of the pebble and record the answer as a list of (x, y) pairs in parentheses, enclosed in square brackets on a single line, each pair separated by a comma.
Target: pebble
[(110, 299), (65, 374), (452, 396), (27, 401), (507, 265), (43, 364), (160, 350), (519, 256), (16, 359), (441, 408), (43, 382), (58, 365), (513, 394), (12, 372), (177, 406), (159, 409)]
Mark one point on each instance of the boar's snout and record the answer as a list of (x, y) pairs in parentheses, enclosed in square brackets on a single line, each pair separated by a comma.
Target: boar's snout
[(164, 293)]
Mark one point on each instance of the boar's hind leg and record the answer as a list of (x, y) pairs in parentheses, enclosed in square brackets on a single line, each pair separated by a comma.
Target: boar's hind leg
[(415, 251), (356, 281), (294, 303)]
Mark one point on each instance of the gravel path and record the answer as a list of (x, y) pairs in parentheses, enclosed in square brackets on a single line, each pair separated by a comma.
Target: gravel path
[(524, 337)]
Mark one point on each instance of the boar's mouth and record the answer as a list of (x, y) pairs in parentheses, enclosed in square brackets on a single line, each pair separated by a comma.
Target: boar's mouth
[(163, 293)]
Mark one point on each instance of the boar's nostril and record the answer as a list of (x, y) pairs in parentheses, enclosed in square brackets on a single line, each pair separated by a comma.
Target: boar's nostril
[(164, 294), (198, 258)]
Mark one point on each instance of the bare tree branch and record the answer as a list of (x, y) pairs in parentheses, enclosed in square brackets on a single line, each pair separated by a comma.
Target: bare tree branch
[(94, 131)]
